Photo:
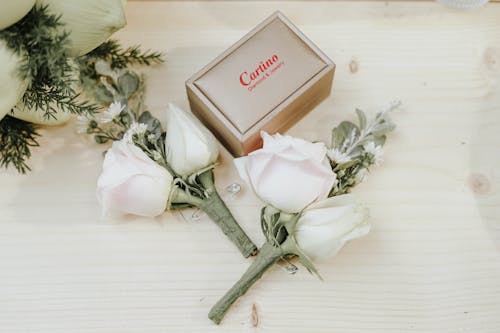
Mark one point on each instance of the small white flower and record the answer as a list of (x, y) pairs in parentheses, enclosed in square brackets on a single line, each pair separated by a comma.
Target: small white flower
[(152, 138), (374, 150), (337, 156), (82, 123), (111, 113), (135, 128), (157, 156)]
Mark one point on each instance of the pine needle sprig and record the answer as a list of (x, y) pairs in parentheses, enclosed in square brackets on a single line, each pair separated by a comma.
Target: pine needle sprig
[(39, 38), (53, 76), (52, 100), (17, 137), (119, 57)]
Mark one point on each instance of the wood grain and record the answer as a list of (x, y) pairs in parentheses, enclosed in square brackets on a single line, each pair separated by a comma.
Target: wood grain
[(431, 263)]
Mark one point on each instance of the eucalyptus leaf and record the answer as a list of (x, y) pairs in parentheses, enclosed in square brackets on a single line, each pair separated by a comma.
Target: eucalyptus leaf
[(153, 124), (128, 83)]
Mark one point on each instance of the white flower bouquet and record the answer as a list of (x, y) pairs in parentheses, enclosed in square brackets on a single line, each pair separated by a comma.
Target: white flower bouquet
[(147, 171), (309, 213)]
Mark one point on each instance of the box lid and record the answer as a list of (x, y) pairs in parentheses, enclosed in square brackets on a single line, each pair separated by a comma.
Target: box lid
[(261, 71)]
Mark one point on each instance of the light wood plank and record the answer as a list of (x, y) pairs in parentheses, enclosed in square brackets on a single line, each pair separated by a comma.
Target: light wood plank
[(431, 263)]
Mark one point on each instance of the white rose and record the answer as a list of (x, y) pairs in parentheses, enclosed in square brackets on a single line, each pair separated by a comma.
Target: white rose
[(325, 226), (288, 173), (13, 11), (133, 183), (12, 87), (89, 22), (189, 145)]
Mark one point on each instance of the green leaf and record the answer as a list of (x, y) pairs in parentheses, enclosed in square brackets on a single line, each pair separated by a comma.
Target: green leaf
[(343, 132), (128, 83), (361, 118), (17, 137), (346, 165), (154, 125), (356, 151), (101, 139), (176, 206), (383, 128), (379, 140)]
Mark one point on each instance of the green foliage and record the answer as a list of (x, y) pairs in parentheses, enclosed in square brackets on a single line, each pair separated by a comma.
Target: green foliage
[(108, 84), (35, 37), (350, 138), (16, 139), (117, 57), (349, 157), (43, 44), (39, 38), (274, 231)]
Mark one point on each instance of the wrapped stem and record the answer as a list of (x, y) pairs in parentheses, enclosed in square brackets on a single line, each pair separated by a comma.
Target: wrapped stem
[(268, 255), (218, 212)]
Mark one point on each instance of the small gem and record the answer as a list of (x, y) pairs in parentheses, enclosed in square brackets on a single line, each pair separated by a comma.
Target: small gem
[(234, 188), (291, 269), (197, 215)]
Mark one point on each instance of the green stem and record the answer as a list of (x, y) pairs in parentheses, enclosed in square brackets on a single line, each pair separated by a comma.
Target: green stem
[(218, 212), (267, 256)]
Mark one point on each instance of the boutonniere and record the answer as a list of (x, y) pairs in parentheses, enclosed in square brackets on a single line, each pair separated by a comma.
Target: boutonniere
[(309, 212), (148, 170)]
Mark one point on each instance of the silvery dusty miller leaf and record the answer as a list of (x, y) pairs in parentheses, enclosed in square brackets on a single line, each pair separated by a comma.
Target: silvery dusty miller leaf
[(342, 133)]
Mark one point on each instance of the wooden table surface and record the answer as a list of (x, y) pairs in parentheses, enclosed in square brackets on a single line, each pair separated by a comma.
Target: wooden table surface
[(430, 264)]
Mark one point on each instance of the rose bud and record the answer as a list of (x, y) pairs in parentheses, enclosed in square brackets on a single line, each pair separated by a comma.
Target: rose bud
[(325, 226), (189, 145)]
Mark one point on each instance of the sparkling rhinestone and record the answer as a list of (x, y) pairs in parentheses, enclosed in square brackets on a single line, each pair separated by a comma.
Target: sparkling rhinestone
[(291, 269), (197, 215), (233, 188)]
